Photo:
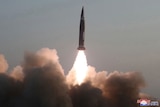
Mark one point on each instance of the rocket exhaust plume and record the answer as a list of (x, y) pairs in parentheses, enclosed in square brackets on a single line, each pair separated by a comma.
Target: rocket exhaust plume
[(80, 67)]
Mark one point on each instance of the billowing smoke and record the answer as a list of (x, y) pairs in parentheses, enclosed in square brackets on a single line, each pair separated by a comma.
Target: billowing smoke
[(3, 64), (102, 89), (40, 82)]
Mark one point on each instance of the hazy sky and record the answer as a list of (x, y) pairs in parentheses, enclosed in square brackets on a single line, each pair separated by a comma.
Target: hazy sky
[(121, 35)]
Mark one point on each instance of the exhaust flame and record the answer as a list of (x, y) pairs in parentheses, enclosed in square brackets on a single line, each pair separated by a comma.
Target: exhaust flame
[(80, 66)]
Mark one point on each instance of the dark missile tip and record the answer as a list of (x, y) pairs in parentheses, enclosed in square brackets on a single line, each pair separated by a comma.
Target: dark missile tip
[(82, 11)]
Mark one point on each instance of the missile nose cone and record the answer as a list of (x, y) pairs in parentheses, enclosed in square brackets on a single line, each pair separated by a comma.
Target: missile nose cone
[(82, 13)]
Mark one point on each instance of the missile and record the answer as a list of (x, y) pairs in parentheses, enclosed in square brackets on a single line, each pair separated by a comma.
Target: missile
[(81, 31)]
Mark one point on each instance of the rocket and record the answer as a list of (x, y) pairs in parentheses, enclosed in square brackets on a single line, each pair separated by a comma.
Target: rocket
[(81, 31)]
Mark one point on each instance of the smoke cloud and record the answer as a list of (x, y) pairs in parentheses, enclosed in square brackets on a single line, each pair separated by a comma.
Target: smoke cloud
[(40, 82), (103, 89), (3, 64)]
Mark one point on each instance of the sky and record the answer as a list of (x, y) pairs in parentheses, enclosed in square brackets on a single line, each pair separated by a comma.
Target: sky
[(120, 35)]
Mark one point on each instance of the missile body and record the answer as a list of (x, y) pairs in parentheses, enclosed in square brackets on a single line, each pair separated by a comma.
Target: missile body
[(81, 32)]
